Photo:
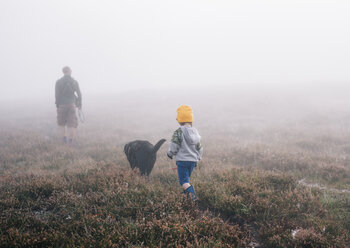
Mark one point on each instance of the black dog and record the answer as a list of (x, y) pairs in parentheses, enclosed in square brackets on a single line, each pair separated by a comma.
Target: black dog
[(142, 154)]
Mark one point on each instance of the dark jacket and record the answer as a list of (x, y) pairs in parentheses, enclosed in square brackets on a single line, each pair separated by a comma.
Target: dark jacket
[(67, 91)]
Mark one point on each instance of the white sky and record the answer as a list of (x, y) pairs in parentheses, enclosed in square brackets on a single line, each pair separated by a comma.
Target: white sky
[(114, 45)]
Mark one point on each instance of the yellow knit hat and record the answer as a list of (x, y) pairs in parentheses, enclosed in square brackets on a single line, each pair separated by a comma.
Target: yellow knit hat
[(184, 114)]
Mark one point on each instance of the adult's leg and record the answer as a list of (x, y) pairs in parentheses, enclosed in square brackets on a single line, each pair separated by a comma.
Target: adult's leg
[(61, 121), (62, 130), (71, 134), (72, 123)]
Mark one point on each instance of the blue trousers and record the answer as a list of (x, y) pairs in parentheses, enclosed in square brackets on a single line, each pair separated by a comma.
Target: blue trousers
[(184, 170)]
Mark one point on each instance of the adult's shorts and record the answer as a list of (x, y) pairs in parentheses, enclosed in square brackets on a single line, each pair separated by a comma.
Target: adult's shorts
[(67, 116)]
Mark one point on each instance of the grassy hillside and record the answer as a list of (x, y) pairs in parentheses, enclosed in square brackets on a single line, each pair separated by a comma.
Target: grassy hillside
[(265, 178)]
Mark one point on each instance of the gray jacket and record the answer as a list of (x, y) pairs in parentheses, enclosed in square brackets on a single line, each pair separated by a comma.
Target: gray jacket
[(185, 145)]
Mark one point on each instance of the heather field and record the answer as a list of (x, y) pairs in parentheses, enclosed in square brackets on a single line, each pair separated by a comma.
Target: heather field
[(275, 173)]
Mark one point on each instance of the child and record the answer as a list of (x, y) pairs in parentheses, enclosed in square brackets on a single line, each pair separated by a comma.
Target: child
[(185, 145)]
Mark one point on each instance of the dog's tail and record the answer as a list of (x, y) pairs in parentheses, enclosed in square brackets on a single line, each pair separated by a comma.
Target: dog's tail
[(158, 145)]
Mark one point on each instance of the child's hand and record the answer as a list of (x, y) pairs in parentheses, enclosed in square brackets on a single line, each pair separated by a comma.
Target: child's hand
[(169, 156)]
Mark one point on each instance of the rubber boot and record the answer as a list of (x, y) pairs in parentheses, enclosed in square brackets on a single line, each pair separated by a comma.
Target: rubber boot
[(190, 192)]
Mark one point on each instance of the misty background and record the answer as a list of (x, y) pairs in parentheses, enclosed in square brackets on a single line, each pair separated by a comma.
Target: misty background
[(119, 46), (246, 67)]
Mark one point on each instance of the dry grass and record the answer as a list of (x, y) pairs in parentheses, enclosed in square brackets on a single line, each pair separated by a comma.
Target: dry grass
[(54, 195)]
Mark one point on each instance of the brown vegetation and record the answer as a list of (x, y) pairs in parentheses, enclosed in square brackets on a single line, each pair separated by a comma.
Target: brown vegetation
[(247, 183)]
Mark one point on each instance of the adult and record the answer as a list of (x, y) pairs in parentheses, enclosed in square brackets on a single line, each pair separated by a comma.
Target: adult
[(68, 98)]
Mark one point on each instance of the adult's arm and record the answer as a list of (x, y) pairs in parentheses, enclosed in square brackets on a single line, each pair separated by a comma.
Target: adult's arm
[(79, 100), (56, 94)]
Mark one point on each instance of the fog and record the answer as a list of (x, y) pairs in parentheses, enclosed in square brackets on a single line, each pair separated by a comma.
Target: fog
[(122, 46)]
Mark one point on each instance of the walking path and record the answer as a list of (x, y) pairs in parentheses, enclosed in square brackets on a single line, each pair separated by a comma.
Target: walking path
[(321, 187)]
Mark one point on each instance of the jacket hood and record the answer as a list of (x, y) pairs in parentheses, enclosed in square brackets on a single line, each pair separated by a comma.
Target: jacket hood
[(191, 135)]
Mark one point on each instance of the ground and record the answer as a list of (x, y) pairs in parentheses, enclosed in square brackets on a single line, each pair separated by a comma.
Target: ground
[(270, 176)]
